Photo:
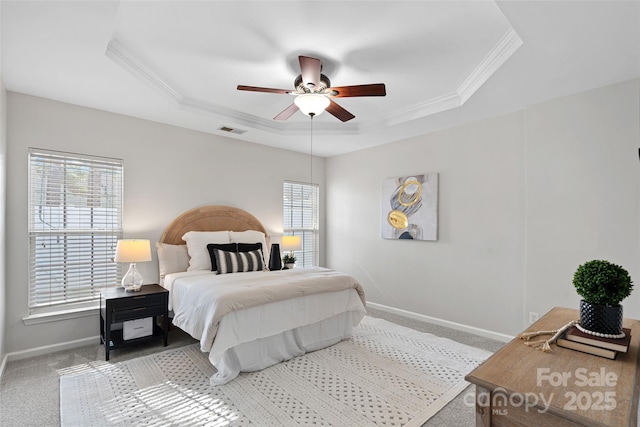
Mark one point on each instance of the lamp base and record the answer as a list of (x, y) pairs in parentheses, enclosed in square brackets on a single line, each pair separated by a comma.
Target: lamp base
[(275, 263), (132, 281)]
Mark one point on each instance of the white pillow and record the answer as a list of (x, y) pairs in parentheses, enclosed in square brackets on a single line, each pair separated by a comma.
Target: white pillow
[(172, 258), (251, 236), (197, 241)]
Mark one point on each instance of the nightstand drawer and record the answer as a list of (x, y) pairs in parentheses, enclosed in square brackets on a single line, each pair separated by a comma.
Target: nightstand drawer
[(137, 301), (137, 313)]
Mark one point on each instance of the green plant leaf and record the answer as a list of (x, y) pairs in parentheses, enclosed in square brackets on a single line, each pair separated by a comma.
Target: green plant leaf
[(601, 282)]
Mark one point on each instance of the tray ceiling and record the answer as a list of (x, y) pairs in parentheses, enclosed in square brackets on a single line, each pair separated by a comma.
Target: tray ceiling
[(443, 63)]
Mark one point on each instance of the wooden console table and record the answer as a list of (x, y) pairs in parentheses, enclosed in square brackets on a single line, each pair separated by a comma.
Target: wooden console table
[(519, 385)]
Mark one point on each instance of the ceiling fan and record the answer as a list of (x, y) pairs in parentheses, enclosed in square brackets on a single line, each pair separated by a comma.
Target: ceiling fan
[(314, 93)]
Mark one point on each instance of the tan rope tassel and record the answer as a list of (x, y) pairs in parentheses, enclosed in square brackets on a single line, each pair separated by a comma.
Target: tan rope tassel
[(545, 345)]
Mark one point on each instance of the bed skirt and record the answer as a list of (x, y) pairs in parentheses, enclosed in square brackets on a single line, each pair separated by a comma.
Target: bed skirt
[(264, 352)]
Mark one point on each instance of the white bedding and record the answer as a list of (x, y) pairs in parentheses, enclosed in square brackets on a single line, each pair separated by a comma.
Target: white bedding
[(251, 337)]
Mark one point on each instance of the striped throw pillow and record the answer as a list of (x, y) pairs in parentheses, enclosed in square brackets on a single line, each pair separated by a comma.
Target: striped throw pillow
[(239, 262)]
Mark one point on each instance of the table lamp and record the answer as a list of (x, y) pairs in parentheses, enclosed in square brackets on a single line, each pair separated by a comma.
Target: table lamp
[(132, 251), (275, 260), (291, 243)]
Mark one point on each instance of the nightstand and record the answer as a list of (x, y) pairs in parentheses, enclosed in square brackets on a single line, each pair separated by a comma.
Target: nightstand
[(118, 305)]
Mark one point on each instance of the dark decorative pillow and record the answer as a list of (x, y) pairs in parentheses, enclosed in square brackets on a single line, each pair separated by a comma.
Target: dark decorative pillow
[(238, 262), (211, 247), (246, 247), (233, 247)]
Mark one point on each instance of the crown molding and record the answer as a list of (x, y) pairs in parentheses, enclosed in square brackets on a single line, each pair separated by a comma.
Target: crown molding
[(423, 109), (124, 57), (506, 46), (231, 115), (497, 56), (131, 63)]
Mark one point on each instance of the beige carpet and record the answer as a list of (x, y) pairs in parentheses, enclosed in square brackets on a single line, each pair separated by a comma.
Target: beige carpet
[(384, 375)]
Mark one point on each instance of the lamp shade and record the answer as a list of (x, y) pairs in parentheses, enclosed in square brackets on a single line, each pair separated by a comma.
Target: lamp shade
[(291, 243), (312, 103), (133, 250)]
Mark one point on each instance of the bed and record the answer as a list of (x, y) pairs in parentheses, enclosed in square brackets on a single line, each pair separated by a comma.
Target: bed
[(252, 318)]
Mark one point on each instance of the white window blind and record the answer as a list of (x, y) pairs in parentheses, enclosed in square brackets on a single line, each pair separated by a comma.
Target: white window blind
[(300, 206), (75, 221)]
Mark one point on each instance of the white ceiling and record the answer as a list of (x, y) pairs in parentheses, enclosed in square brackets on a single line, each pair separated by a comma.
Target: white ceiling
[(443, 62)]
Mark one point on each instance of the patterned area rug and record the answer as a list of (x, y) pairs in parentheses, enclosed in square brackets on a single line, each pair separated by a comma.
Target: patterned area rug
[(384, 375)]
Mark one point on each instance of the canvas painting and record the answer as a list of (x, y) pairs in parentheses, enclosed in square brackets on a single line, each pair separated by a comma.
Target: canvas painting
[(410, 207)]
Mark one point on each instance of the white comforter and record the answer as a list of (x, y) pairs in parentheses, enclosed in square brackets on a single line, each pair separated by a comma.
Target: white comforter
[(228, 310)]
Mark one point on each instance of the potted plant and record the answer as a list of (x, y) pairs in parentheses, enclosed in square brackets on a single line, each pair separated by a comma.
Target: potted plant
[(289, 261), (602, 286)]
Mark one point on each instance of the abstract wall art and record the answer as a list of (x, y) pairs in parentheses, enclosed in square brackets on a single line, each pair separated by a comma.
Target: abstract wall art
[(410, 207)]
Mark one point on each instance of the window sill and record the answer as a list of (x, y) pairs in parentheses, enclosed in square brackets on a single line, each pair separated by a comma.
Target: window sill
[(57, 316)]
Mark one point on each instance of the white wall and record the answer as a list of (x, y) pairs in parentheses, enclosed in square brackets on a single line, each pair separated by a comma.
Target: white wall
[(3, 206), (582, 183), (168, 170), (523, 200)]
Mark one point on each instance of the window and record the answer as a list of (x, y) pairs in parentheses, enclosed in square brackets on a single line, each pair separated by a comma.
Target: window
[(75, 221), (300, 218)]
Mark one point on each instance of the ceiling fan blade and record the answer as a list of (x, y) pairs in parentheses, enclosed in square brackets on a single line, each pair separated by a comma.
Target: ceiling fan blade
[(263, 89), (339, 112), (287, 112), (376, 89), (310, 71)]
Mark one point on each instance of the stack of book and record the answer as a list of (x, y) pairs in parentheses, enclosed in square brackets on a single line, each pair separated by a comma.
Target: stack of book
[(575, 339)]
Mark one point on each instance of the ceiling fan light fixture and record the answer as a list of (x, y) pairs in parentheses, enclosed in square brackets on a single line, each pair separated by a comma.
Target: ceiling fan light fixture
[(313, 89), (312, 104)]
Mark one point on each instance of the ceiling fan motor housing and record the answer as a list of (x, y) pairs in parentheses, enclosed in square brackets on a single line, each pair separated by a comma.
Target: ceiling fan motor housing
[(325, 83)]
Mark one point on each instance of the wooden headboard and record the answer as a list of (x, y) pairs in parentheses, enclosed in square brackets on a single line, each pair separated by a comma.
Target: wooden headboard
[(210, 218)]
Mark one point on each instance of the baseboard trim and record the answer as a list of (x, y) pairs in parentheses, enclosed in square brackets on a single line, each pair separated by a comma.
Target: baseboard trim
[(39, 351), (4, 363), (453, 325)]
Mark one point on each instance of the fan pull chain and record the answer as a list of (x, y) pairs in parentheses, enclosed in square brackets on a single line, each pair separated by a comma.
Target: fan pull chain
[(311, 152)]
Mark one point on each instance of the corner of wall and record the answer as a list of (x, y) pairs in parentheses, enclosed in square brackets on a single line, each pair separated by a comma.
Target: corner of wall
[(3, 201)]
